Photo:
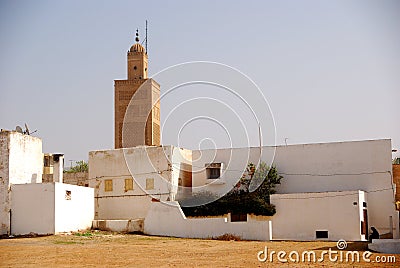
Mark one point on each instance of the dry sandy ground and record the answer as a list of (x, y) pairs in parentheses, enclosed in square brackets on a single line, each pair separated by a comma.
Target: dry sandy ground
[(99, 249)]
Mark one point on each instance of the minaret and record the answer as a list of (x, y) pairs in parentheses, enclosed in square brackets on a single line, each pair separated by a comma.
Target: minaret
[(142, 126)]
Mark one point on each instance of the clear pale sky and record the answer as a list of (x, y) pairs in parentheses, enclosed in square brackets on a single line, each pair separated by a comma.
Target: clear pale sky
[(330, 70)]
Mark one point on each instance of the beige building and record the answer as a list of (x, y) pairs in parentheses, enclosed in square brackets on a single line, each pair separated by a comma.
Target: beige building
[(137, 104)]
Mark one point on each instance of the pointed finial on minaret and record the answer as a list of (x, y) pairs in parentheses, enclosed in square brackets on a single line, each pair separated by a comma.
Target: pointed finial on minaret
[(137, 35)]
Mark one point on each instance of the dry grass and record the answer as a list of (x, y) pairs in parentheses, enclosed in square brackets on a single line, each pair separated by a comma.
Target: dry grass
[(103, 249)]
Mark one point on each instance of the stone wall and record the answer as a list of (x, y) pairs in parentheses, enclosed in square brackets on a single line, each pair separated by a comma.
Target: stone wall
[(77, 178)]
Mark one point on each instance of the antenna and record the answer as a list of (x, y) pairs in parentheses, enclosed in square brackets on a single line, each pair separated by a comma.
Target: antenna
[(26, 129), (146, 38)]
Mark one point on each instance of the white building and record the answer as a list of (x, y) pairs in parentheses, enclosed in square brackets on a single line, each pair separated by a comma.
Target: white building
[(29, 206), (125, 180), (319, 168), (50, 208), (21, 161), (335, 189)]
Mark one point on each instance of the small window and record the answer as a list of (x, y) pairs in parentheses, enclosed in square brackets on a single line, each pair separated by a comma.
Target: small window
[(364, 204), (213, 170), (128, 184), (108, 185), (321, 234), (238, 217), (150, 184), (134, 67), (67, 195)]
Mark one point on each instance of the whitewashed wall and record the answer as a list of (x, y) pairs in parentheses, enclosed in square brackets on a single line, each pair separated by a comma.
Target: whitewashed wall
[(76, 213), (32, 207), (300, 215), (320, 167), (168, 219), (43, 209), (21, 161), (181, 163), (145, 162), (26, 159)]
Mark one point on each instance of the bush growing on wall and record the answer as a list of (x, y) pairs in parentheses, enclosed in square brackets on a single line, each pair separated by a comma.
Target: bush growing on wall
[(251, 195)]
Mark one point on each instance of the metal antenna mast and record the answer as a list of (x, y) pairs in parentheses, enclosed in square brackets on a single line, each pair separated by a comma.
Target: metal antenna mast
[(146, 38)]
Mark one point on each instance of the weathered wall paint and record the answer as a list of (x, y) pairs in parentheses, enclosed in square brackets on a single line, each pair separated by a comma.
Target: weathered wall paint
[(21, 161)]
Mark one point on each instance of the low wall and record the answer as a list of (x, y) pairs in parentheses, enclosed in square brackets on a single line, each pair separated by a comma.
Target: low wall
[(168, 219), (76, 178), (123, 226)]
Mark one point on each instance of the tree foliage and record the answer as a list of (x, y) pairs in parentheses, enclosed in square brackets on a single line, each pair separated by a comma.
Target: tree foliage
[(250, 195), (80, 166)]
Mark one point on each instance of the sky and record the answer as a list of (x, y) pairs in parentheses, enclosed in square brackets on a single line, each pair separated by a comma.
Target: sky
[(329, 70)]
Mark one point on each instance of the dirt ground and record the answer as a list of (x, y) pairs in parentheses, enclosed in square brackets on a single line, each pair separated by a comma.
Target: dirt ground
[(101, 249)]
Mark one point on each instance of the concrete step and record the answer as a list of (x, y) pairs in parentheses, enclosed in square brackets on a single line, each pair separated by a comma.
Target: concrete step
[(388, 246)]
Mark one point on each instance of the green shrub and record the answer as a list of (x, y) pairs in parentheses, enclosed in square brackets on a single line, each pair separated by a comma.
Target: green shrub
[(240, 200)]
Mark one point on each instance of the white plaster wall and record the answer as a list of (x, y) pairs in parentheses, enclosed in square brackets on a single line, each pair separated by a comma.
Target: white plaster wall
[(32, 207), (150, 162), (41, 208), (21, 161), (234, 163), (298, 216), (77, 213), (26, 159), (180, 157), (320, 167), (167, 219)]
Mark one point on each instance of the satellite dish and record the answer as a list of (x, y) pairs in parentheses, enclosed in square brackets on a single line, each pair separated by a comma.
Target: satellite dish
[(26, 129), (18, 129)]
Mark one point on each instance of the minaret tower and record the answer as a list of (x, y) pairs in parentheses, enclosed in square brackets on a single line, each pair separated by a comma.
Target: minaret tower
[(142, 126)]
